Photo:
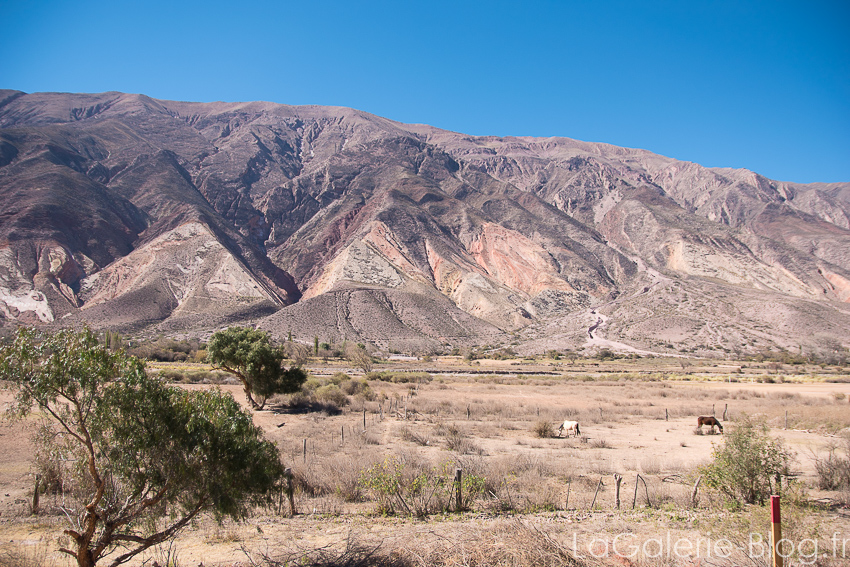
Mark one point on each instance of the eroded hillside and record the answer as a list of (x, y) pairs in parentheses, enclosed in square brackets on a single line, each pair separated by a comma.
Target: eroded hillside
[(134, 213)]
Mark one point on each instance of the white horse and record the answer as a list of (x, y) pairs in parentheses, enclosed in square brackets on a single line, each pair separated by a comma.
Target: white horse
[(569, 426)]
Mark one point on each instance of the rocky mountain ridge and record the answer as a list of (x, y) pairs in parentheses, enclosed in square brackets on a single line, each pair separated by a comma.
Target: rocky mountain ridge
[(133, 213)]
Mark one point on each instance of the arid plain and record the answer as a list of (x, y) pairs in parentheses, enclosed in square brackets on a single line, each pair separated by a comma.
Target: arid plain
[(542, 497)]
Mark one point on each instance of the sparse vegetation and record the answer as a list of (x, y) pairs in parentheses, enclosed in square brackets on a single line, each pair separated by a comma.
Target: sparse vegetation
[(484, 421), (400, 377), (161, 349), (402, 486)]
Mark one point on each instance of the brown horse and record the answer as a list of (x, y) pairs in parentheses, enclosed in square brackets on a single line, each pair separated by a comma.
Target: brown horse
[(709, 420)]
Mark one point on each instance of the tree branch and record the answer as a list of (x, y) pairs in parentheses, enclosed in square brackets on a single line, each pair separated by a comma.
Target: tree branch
[(68, 551), (147, 542)]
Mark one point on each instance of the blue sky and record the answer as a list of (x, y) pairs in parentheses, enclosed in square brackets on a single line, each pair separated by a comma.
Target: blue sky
[(761, 85)]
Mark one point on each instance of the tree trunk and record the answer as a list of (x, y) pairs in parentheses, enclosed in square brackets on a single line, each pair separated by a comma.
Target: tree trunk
[(83, 555), (247, 388)]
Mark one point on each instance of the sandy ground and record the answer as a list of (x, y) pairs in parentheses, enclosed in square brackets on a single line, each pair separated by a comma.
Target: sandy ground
[(642, 427)]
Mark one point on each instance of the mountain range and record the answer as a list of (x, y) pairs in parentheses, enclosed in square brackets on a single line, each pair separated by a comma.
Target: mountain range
[(150, 216)]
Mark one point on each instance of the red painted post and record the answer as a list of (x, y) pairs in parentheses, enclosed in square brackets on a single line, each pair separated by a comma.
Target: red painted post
[(775, 530)]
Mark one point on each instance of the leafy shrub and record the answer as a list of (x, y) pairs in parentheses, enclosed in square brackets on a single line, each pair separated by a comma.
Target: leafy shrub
[(358, 388), (340, 377), (749, 465), (301, 402), (311, 385), (195, 377), (172, 376), (165, 350), (607, 354), (317, 394), (331, 394)]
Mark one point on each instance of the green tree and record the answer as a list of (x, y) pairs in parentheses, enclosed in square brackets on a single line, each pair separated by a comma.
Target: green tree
[(139, 447), (748, 466), (249, 355)]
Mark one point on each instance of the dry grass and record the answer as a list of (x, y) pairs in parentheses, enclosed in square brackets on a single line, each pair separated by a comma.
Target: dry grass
[(508, 438), (503, 544), (491, 428), (27, 556)]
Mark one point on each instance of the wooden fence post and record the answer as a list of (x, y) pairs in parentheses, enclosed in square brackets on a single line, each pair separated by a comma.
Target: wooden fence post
[(694, 492), (724, 411), (35, 495), (364, 419), (458, 495), (634, 498), (617, 480), (666, 415), (343, 435), (305, 450), (289, 491), (646, 491), (592, 504), (567, 503)]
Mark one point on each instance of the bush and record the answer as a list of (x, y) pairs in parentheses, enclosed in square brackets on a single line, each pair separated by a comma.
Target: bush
[(414, 436), (311, 385), (748, 467), (457, 440), (331, 394), (340, 377), (606, 354), (543, 429), (358, 388), (834, 471), (301, 402), (400, 485)]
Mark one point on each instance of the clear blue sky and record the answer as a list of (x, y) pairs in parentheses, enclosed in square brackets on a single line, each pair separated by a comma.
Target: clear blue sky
[(762, 85)]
